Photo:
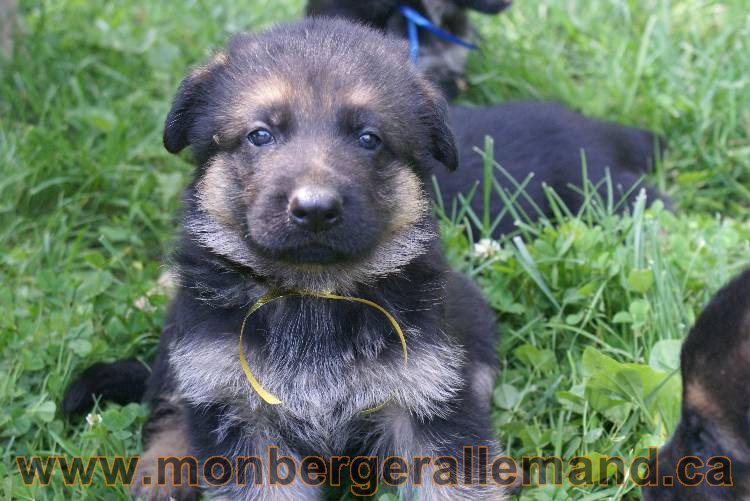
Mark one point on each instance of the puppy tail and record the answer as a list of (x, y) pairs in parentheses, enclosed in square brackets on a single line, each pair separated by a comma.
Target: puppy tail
[(123, 382)]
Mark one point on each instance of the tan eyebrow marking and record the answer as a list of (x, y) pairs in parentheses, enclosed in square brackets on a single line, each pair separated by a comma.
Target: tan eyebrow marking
[(269, 92), (273, 89), (360, 96)]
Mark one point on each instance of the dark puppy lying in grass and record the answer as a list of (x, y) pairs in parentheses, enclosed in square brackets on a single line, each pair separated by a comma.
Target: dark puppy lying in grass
[(551, 143), (314, 143), (708, 456), (441, 60)]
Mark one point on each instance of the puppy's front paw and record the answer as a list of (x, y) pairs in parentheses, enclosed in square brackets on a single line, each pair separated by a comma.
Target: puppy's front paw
[(164, 493), (145, 486), (167, 440)]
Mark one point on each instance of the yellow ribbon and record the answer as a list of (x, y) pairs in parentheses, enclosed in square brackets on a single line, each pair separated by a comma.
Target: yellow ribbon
[(268, 397)]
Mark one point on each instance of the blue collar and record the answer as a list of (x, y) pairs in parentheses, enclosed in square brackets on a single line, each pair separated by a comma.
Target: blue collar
[(416, 20)]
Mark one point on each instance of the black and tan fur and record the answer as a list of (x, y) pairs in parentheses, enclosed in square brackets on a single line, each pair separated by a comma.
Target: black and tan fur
[(441, 61), (317, 86), (715, 422)]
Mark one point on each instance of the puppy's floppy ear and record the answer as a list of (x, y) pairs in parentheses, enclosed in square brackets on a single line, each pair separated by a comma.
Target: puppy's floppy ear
[(442, 145), (180, 118)]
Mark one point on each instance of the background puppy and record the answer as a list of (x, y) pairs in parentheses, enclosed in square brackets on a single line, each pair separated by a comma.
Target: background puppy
[(442, 61), (314, 144), (715, 421), (552, 143)]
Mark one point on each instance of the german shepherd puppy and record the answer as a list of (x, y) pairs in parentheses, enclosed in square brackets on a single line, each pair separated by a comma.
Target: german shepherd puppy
[(552, 144), (442, 61), (711, 444), (314, 143)]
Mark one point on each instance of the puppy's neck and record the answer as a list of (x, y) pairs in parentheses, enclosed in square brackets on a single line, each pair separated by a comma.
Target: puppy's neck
[(220, 283)]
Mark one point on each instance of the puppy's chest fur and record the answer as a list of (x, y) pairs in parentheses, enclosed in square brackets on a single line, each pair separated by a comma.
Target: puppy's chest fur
[(326, 362)]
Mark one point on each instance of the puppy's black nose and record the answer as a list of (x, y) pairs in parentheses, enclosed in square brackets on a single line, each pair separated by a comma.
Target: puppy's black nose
[(315, 209)]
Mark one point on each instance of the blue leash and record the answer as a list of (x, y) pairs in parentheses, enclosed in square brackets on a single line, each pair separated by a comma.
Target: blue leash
[(415, 20)]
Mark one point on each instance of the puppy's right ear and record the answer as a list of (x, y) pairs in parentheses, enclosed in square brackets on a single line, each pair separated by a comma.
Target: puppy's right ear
[(182, 115), (180, 118)]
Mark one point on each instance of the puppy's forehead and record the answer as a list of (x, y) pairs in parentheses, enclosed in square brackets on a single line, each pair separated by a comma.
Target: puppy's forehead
[(312, 96), (315, 82), (313, 74)]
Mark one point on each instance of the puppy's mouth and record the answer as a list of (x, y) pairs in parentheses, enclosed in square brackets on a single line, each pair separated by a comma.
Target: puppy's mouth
[(306, 252), (280, 241), (311, 254)]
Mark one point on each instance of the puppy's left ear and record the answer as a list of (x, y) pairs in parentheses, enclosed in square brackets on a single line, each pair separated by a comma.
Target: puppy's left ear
[(180, 119), (442, 144)]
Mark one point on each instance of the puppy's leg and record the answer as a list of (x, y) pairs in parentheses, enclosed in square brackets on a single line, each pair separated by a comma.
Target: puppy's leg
[(165, 435), (435, 453), (248, 490), (166, 432), (265, 466)]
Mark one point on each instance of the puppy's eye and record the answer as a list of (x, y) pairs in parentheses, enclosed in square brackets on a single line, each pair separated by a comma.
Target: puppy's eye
[(261, 137), (369, 141)]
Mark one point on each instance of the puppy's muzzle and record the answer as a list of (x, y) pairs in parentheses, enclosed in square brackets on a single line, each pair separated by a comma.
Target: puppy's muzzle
[(315, 209)]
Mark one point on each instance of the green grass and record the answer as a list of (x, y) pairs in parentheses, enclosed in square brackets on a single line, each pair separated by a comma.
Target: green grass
[(592, 310)]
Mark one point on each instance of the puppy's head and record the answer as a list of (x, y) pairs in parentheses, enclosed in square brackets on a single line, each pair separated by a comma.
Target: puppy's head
[(374, 13), (313, 142), (715, 420), (440, 60)]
